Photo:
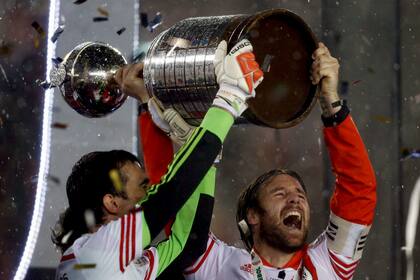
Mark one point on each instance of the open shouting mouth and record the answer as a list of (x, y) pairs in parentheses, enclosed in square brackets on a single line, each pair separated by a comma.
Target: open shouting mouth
[(293, 220)]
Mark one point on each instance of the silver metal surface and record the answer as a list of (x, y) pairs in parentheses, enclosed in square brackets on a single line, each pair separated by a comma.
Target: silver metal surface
[(179, 67), (88, 86)]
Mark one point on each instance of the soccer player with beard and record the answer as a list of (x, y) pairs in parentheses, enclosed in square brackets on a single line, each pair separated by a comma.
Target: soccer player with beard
[(273, 213)]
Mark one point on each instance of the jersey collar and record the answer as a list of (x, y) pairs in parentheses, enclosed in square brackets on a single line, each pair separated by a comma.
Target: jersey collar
[(294, 262)]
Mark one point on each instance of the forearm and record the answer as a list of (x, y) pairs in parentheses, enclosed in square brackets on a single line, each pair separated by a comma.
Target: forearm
[(354, 197), (189, 232), (185, 173), (157, 148)]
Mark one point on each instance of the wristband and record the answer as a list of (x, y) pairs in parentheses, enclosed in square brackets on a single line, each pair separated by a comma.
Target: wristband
[(337, 118), (341, 102)]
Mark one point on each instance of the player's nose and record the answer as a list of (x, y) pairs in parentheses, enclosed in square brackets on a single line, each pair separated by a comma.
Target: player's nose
[(293, 198)]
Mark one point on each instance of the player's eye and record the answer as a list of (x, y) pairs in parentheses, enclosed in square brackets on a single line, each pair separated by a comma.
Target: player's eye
[(280, 193), (145, 184)]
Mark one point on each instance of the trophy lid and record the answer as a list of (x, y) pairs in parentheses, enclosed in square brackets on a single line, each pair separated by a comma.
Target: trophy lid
[(88, 85)]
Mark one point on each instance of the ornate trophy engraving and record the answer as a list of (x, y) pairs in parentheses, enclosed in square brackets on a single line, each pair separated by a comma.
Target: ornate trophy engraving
[(179, 68)]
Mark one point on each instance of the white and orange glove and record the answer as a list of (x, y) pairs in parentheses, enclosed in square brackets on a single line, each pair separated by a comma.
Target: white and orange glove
[(170, 122), (238, 74)]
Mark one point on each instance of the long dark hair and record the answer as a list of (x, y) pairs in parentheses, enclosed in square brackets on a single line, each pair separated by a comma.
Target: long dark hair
[(249, 199), (86, 186)]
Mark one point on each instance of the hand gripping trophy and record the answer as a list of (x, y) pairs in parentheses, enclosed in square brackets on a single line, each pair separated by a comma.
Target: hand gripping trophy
[(179, 71)]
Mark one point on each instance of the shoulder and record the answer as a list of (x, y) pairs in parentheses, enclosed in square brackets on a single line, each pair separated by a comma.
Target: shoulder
[(222, 247), (79, 243), (328, 264), (145, 265), (219, 257)]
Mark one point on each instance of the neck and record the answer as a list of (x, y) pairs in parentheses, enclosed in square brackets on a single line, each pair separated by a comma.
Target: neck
[(273, 256), (108, 217)]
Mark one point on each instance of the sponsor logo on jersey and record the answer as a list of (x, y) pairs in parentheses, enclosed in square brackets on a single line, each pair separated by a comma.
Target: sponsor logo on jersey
[(306, 275), (258, 273), (246, 267), (142, 261)]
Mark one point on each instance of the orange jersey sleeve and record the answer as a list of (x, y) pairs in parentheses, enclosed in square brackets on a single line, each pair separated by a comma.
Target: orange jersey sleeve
[(157, 148), (354, 197)]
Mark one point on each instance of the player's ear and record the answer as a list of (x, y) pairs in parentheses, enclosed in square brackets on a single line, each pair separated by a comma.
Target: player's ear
[(252, 217), (110, 204)]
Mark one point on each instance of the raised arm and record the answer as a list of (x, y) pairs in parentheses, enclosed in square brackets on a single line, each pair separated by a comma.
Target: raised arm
[(185, 173), (188, 167), (354, 199), (237, 84), (183, 247), (189, 230)]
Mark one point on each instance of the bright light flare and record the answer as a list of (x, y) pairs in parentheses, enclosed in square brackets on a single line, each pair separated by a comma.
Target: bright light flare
[(38, 211)]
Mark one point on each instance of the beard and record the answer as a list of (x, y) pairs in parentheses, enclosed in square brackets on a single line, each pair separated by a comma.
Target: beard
[(277, 237)]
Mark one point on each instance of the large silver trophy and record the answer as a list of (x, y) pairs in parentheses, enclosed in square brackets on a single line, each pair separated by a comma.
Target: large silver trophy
[(179, 68)]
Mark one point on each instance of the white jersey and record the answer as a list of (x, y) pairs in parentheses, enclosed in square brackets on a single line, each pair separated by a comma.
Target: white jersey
[(337, 251), (113, 252), (319, 260)]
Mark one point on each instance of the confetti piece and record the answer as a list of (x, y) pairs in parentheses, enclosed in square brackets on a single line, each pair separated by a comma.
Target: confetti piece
[(84, 266), (4, 74), (90, 219), (144, 20), (116, 180), (153, 24), (54, 179), (99, 19), (139, 57), (59, 125), (366, 40), (33, 179), (267, 63), (66, 237), (382, 119), (157, 20), (45, 85), (5, 49), (121, 31), (57, 33), (38, 29), (36, 42), (407, 153), (57, 60), (356, 82), (78, 2), (102, 10)]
